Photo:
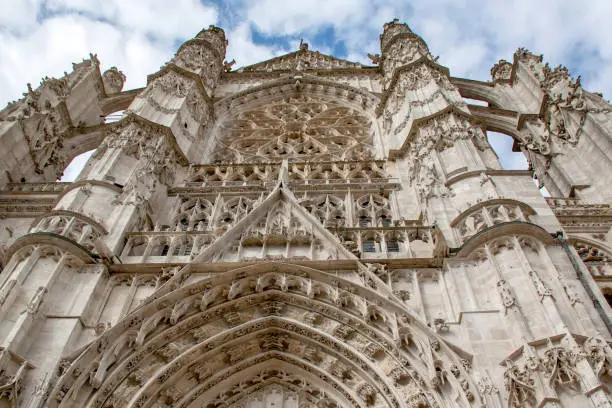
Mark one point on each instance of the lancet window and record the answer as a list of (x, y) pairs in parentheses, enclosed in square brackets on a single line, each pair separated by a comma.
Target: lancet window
[(194, 214), (328, 208), (373, 210)]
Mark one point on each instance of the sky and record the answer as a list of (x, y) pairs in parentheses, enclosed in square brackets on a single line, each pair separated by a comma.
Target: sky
[(43, 37)]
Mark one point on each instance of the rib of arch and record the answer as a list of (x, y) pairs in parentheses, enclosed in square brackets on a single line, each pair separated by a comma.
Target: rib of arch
[(331, 341)]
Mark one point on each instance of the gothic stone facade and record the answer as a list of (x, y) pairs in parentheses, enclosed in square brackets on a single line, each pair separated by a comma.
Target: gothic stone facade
[(306, 232)]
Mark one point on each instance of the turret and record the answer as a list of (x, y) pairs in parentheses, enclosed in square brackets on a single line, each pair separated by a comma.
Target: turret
[(179, 96), (204, 56), (161, 129), (431, 132), (399, 46)]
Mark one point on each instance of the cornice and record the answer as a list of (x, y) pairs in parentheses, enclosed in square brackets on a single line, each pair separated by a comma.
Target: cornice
[(371, 70)]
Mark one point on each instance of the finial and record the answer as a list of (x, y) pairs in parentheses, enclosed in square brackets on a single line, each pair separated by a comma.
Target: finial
[(303, 45), (375, 58), (227, 66)]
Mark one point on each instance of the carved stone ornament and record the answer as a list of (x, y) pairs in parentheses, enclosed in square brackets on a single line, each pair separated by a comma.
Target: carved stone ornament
[(304, 232), (505, 293), (599, 354), (520, 386), (301, 60), (559, 366), (36, 300), (319, 130), (501, 71), (539, 285), (113, 80)]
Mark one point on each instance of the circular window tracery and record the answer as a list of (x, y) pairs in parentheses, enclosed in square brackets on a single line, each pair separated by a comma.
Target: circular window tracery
[(301, 127)]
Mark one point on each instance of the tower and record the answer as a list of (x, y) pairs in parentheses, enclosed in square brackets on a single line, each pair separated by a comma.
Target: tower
[(306, 232)]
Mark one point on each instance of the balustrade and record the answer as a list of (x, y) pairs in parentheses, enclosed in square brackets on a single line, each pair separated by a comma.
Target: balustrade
[(38, 187), (74, 228), (486, 215)]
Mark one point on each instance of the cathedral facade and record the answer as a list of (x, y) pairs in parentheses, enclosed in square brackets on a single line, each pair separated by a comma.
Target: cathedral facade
[(306, 232)]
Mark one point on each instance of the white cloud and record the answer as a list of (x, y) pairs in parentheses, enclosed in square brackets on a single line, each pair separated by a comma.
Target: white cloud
[(157, 18), (127, 34), (242, 48), (272, 16), (469, 36), (18, 15)]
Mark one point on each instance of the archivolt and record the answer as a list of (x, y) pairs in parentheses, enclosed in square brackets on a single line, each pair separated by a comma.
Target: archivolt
[(376, 353)]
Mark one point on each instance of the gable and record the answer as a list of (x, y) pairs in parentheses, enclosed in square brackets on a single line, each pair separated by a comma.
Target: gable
[(278, 228), (300, 60)]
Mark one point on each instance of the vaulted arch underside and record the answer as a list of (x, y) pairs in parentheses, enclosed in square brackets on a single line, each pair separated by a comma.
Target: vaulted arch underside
[(262, 334)]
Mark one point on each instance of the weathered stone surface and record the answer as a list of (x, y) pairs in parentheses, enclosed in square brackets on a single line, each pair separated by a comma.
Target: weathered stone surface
[(306, 232)]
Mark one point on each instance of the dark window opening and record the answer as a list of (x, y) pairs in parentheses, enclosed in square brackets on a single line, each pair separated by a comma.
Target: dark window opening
[(392, 246), (364, 221), (369, 246)]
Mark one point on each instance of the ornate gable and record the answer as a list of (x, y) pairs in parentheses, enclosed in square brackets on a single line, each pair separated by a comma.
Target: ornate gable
[(281, 226), (302, 59)]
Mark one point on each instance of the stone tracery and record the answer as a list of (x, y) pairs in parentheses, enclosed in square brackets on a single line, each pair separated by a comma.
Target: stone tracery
[(305, 232), (275, 346), (297, 127)]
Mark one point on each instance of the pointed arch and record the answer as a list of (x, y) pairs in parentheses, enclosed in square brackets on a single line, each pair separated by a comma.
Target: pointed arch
[(501, 229), (369, 347)]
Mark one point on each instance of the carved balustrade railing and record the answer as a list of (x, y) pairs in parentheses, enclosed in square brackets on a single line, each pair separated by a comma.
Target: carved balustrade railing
[(239, 183), (164, 246), (75, 228), (486, 215), (298, 172), (56, 187), (367, 243), (600, 270), (576, 216), (297, 184), (575, 206), (563, 202), (389, 242)]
